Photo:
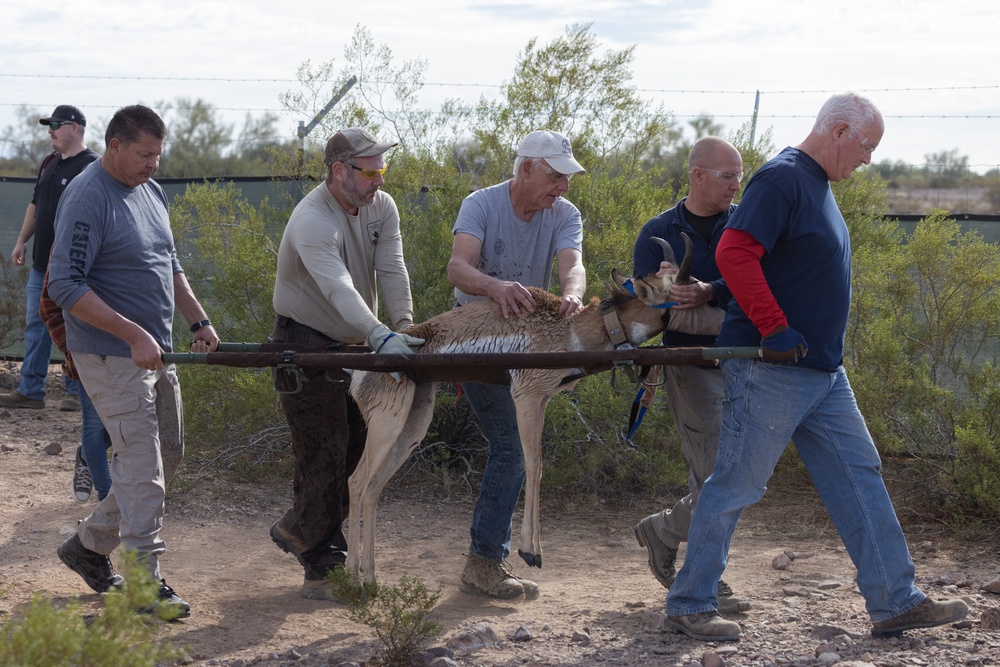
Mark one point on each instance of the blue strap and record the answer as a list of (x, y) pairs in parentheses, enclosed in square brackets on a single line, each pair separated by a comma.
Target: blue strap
[(631, 290)]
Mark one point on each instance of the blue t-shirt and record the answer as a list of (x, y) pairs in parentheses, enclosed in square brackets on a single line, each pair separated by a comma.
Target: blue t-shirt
[(788, 207)]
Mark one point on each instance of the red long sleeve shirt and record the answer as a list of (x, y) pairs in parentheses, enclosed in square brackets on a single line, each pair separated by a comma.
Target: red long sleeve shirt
[(738, 258)]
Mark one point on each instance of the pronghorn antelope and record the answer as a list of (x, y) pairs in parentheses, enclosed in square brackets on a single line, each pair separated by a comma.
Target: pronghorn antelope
[(398, 414)]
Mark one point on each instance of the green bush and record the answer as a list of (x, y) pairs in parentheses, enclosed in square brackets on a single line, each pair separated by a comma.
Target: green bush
[(47, 634), (400, 617), (922, 349)]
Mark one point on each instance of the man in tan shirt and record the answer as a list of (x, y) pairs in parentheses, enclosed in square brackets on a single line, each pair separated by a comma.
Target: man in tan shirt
[(340, 239)]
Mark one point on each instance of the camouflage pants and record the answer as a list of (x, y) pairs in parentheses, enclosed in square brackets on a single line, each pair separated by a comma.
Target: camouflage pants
[(328, 437)]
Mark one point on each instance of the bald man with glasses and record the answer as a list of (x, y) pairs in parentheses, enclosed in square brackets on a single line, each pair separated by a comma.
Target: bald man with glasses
[(693, 393)]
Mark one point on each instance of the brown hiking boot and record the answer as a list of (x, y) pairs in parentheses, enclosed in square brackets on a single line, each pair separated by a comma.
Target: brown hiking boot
[(707, 626), (661, 557), (14, 399), (729, 602), (317, 585), (492, 579), (927, 614), (287, 541)]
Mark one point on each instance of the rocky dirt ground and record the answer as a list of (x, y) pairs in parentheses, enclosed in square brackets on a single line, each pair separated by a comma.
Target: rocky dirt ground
[(598, 605)]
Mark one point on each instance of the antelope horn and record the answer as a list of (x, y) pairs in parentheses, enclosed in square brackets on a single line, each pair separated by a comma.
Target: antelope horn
[(684, 270), (683, 276), (668, 252)]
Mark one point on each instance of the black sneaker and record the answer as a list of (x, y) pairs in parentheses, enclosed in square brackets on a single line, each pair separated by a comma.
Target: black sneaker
[(83, 484), (95, 568), (168, 605)]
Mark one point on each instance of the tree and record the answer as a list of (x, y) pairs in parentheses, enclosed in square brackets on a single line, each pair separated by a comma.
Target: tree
[(197, 140), (946, 168)]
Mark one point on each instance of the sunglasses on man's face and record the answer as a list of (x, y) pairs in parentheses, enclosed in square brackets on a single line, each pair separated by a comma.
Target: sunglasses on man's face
[(56, 124), (370, 174)]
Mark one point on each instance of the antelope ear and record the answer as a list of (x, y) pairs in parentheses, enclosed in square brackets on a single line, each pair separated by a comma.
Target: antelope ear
[(619, 281)]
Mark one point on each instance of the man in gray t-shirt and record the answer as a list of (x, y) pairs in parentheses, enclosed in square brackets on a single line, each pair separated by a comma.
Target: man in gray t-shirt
[(115, 274), (506, 237)]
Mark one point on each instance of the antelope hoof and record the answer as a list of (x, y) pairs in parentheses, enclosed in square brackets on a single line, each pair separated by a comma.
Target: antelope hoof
[(533, 560)]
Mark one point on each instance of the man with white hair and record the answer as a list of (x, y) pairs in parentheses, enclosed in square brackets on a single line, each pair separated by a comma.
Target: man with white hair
[(506, 237), (786, 257)]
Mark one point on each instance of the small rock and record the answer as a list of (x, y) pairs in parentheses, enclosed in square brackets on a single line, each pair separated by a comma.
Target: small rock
[(990, 619), (711, 659), (430, 553), (828, 658), (795, 591), (478, 636), (53, 449), (826, 632), (828, 585), (791, 554), (928, 547), (635, 605), (781, 562), (993, 586), (580, 637), (522, 634), (442, 662)]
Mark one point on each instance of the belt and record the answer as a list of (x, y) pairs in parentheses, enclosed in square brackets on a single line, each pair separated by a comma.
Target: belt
[(291, 325)]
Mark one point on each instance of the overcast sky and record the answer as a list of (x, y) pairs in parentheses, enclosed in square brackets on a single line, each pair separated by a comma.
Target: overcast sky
[(932, 67)]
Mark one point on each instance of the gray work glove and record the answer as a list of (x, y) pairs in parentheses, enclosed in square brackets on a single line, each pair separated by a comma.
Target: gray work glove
[(383, 341)]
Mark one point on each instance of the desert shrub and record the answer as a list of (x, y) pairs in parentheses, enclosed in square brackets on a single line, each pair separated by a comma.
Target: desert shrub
[(229, 250), (922, 349), (47, 634), (400, 617), (13, 280)]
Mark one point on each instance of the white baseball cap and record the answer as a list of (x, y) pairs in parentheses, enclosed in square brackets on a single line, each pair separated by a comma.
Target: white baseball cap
[(553, 147)]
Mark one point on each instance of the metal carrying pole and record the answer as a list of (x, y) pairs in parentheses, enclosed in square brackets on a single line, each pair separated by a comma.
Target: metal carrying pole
[(489, 367)]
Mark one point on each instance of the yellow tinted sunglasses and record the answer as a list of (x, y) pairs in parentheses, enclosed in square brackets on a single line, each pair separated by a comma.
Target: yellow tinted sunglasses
[(370, 174)]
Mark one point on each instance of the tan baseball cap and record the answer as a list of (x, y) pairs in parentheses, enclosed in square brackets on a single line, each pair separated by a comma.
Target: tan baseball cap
[(351, 143)]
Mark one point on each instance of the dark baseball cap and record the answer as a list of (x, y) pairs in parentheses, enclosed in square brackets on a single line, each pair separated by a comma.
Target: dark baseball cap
[(66, 113)]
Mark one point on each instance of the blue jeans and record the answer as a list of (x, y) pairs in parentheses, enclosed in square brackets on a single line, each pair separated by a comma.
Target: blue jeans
[(37, 344), (96, 443), (765, 406), (504, 474)]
